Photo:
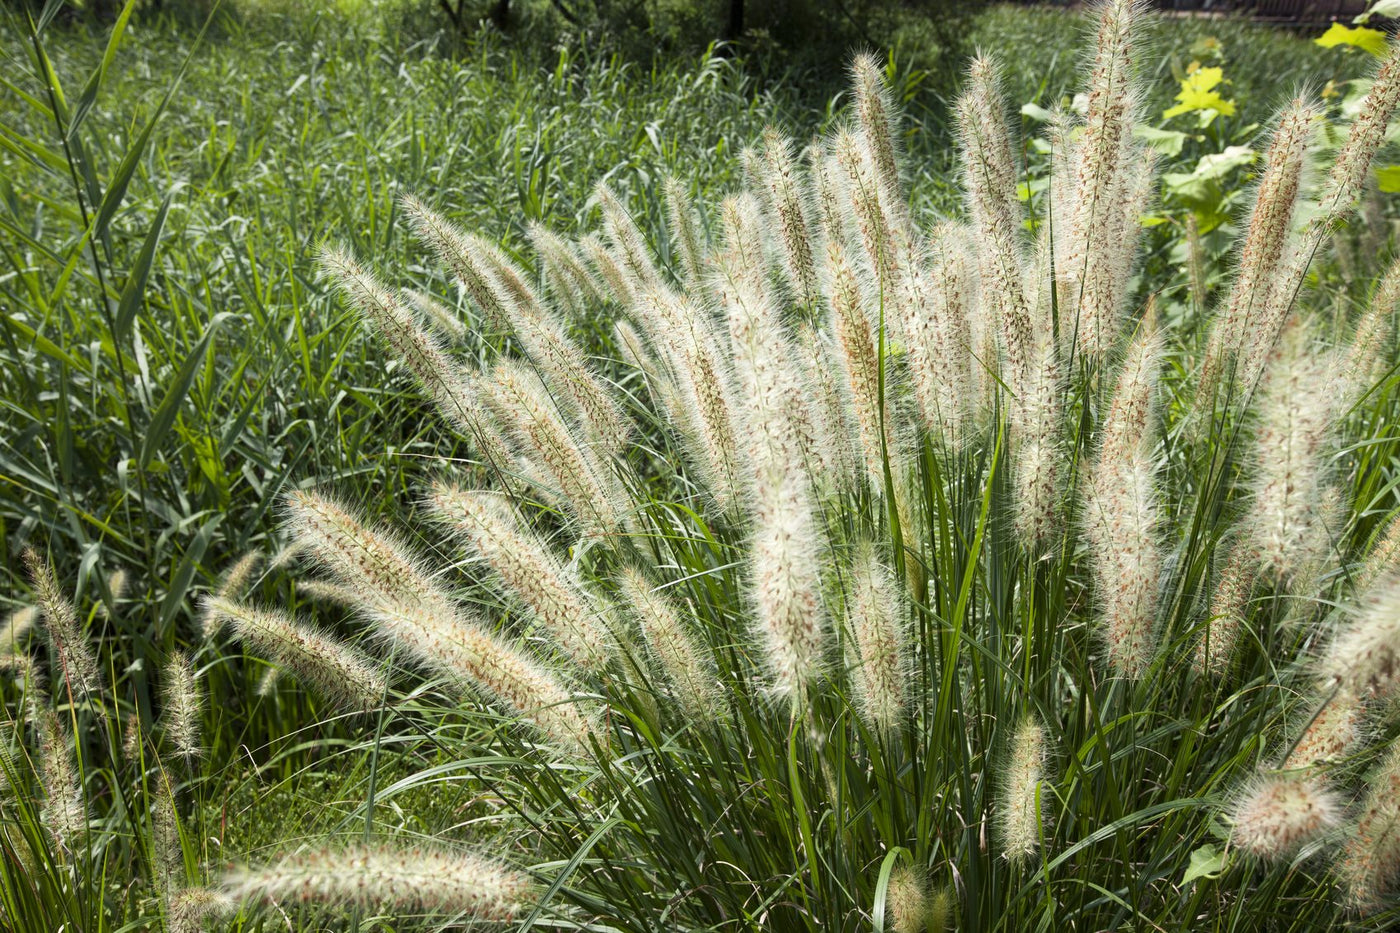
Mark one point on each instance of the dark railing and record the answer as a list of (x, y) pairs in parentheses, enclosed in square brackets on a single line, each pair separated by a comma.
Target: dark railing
[(1289, 11)]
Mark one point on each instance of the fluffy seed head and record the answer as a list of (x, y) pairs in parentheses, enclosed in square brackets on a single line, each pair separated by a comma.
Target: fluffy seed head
[(990, 179), (64, 810), (17, 626), (530, 571), (685, 661), (907, 902), (685, 238), (1370, 353), (787, 588), (408, 609), (1297, 417), (1022, 802), (1269, 223), (833, 434), (1383, 558), (1370, 861), (184, 705), (1128, 427), (232, 586), (440, 317), (1104, 163), (1122, 523), (609, 277), (387, 877), (75, 657), (189, 910), (1228, 604), (857, 343), (1037, 453), (859, 182), (466, 257), (332, 668), (453, 393), (631, 253), (1280, 813), (786, 199), (1364, 657), (1349, 172), (880, 662), (932, 301), (876, 116), (566, 277), (523, 403), (563, 364), (1334, 730)]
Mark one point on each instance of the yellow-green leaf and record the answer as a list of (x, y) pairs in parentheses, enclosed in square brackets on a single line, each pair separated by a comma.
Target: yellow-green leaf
[(1372, 40), (1198, 93), (1389, 178)]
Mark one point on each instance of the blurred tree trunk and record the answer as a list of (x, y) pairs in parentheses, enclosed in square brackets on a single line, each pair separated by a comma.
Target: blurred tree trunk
[(500, 14), (734, 22)]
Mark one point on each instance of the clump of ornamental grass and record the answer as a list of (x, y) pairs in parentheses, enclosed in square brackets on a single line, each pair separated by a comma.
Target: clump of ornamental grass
[(66, 761), (787, 536)]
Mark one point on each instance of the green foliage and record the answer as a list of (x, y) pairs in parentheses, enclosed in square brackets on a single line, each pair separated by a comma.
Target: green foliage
[(168, 369)]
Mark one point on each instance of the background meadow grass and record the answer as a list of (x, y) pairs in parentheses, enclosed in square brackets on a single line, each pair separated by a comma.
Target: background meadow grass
[(160, 393)]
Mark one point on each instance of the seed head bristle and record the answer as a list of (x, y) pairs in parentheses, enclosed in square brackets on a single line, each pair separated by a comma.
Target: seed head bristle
[(632, 255), (686, 662), (462, 254), (18, 624), (530, 571), (452, 391), (184, 706), (1370, 861), (1334, 730), (1104, 159), (1350, 170), (343, 675), (907, 902), (440, 317), (1364, 656), (586, 482), (408, 609), (1022, 804), (878, 122), (1297, 416), (990, 182), (566, 276), (77, 662), (685, 238), (880, 665), (1228, 607), (1278, 814), (387, 876)]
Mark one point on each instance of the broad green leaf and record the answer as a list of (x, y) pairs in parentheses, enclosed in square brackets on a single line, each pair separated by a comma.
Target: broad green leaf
[(1372, 40), (1198, 93), (189, 564), (135, 286), (1206, 862), (99, 74), (1389, 178), (175, 393), (1036, 112), (1168, 142), (1219, 164)]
